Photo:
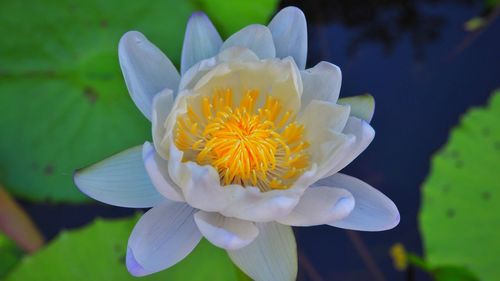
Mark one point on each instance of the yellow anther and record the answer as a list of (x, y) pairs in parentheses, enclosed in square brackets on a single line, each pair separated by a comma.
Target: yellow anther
[(262, 147)]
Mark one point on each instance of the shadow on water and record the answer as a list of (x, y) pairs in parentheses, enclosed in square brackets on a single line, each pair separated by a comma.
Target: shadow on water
[(424, 71)]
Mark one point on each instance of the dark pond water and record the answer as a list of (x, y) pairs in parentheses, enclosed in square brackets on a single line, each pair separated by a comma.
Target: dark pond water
[(424, 71)]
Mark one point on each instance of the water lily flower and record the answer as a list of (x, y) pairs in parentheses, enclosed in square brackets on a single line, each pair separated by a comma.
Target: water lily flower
[(246, 144)]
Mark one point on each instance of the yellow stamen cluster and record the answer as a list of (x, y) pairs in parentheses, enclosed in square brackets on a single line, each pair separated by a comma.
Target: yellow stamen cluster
[(247, 144)]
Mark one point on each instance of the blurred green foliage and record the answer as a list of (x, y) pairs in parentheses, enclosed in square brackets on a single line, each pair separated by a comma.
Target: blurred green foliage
[(63, 100), (9, 255), (492, 3), (97, 252), (230, 16), (460, 216)]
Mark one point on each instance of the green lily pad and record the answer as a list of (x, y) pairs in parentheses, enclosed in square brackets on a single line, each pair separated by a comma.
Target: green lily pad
[(97, 252), (9, 255), (231, 16), (63, 100), (460, 216)]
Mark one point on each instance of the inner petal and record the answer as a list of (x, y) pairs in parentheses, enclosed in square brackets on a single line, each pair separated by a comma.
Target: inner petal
[(251, 141)]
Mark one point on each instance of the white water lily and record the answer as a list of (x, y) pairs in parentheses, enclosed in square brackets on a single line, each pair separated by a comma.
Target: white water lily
[(246, 144)]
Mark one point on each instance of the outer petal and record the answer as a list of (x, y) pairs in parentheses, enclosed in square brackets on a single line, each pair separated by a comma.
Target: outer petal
[(162, 237), (320, 205), (364, 135), (373, 210), (146, 69), (157, 169), (224, 232), (272, 256), (162, 104), (201, 41), (289, 30), (333, 116), (322, 82), (119, 180), (362, 106), (323, 131), (255, 37)]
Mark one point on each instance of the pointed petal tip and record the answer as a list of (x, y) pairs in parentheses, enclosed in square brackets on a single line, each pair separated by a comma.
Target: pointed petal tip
[(396, 219), (146, 70), (133, 266), (292, 10), (131, 36), (197, 14), (75, 178), (201, 40)]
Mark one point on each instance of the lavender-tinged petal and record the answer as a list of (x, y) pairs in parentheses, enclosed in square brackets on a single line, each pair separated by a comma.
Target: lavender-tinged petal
[(320, 205), (373, 210), (271, 256), (289, 30), (120, 180), (157, 169), (201, 41), (164, 235), (146, 70), (255, 37), (225, 232)]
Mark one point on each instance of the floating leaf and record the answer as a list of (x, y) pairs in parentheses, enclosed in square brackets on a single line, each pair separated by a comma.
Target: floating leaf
[(402, 260), (63, 100), (9, 254), (231, 16), (453, 273), (460, 216), (492, 3), (97, 252)]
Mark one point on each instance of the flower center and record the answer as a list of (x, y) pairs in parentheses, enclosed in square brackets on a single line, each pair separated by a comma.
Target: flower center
[(247, 145)]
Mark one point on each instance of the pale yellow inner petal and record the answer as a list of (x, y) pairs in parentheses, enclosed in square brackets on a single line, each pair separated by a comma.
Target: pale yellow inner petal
[(256, 142)]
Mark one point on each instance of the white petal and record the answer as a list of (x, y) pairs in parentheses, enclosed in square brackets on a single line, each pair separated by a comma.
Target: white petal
[(373, 211), (201, 41), (362, 106), (321, 115), (164, 235), (202, 190), (323, 131), (289, 30), (320, 205), (271, 256), (255, 37), (281, 78), (224, 232), (192, 75), (119, 180), (162, 105), (146, 69), (364, 135), (335, 148), (322, 82), (157, 169), (240, 54)]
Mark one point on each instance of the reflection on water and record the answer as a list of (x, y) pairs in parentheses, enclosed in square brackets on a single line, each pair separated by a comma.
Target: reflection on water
[(405, 54), (385, 22)]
